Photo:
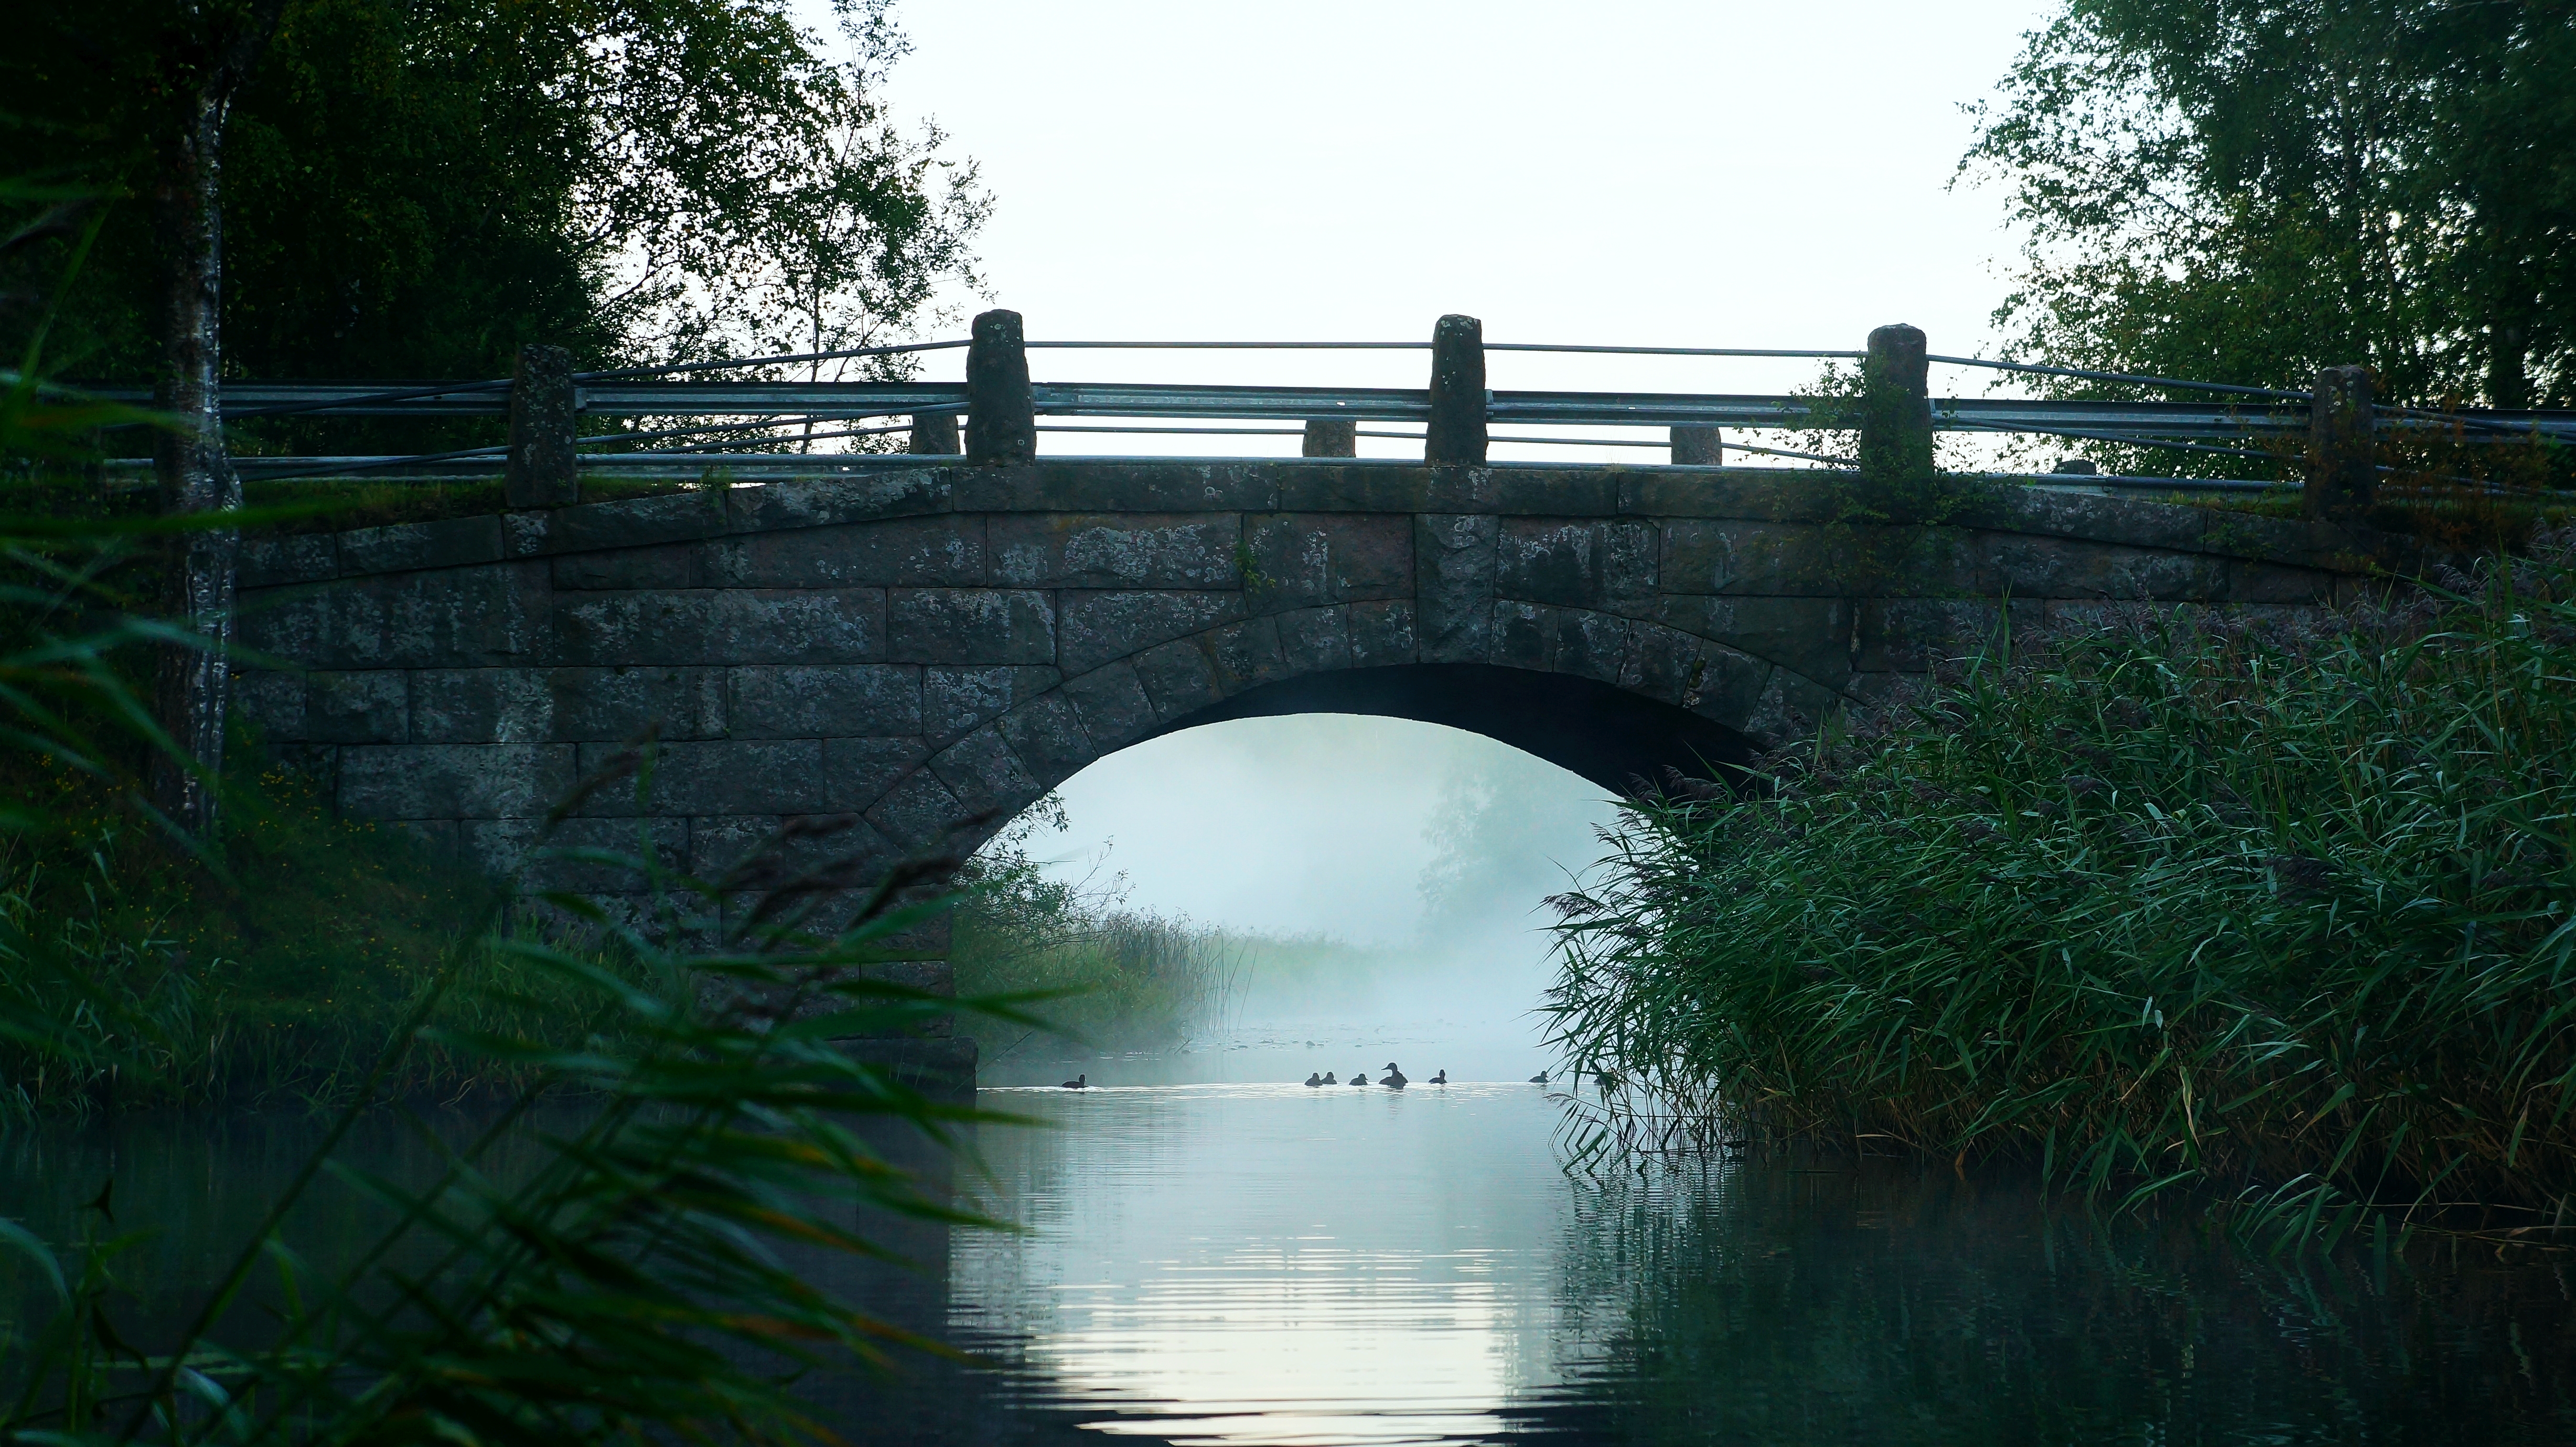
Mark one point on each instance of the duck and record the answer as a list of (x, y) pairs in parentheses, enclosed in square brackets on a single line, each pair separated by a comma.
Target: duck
[(1361, 1079), (1079, 1082), (1393, 1079), (1329, 1080), (1313, 1079), (1539, 1079), (1441, 1079)]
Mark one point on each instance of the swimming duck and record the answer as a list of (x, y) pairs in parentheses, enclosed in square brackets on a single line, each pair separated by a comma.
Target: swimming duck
[(1329, 1080), (1539, 1079), (1313, 1079), (1441, 1079), (1393, 1079), (1359, 1080), (1079, 1082)]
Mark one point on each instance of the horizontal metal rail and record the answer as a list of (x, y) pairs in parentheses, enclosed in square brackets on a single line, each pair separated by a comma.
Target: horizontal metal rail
[(788, 359), (691, 463), (1142, 399), (834, 400), (2132, 378), (1231, 346), (847, 401), (1674, 351)]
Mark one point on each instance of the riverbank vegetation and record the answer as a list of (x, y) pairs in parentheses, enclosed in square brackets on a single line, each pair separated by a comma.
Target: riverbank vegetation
[(652, 1273), (2286, 913), (142, 968), (1111, 979), (275, 972)]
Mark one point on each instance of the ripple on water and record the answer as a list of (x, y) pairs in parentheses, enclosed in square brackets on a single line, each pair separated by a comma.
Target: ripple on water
[(1272, 1264), (1257, 1263)]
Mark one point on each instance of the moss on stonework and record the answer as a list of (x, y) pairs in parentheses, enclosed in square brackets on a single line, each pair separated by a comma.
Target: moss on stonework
[(336, 504)]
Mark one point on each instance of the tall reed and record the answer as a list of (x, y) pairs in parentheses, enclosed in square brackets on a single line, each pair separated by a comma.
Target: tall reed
[(281, 986), (1119, 980), (1113, 978), (2281, 912), (639, 1285)]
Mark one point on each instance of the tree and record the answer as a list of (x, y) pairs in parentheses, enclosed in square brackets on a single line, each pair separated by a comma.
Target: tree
[(166, 78), (2249, 190), (418, 189)]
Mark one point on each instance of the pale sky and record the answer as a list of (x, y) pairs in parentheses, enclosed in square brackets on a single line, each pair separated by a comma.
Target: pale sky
[(1713, 174)]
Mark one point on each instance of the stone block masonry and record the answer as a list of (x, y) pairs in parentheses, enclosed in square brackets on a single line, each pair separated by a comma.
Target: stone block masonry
[(935, 641)]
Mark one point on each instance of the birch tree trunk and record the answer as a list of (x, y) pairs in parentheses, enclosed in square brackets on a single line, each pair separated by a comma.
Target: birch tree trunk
[(195, 473)]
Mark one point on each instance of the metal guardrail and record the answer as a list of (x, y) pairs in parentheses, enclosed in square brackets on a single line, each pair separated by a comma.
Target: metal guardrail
[(712, 420), (853, 400)]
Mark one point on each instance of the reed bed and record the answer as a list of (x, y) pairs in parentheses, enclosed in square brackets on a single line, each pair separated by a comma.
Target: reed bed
[(1115, 979), (277, 979), (2279, 913), (652, 1278)]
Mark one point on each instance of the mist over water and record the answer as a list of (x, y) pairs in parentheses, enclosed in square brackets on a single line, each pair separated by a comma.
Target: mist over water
[(1426, 851)]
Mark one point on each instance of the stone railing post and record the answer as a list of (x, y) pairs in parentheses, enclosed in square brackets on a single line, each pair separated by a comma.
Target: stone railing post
[(933, 434), (1698, 447), (1001, 425), (1895, 408), (2343, 462), (1457, 432), (540, 470), (1331, 437)]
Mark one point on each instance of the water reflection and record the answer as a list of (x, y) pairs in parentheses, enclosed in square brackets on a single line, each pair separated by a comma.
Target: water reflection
[(1262, 1263), (1278, 1264), (1273, 1265), (1880, 1304)]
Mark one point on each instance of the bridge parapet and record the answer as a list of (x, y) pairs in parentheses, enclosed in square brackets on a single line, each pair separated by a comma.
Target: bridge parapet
[(1893, 415)]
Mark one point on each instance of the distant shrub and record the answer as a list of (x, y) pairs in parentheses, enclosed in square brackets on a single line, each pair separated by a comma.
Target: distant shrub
[(1115, 978)]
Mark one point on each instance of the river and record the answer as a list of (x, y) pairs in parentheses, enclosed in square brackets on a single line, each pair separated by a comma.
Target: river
[(1211, 1252)]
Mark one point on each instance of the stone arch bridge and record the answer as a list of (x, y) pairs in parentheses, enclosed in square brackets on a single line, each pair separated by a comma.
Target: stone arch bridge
[(920, 640)]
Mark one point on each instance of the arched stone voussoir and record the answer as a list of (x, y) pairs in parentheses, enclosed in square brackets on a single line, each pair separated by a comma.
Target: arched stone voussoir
[(984, 774), (1610, 698), (1767, 702)]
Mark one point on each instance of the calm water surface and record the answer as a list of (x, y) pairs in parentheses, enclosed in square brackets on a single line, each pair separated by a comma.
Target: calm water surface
[(1212, 1256)]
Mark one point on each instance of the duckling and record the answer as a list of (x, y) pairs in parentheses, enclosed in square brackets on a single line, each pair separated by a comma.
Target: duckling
[(1441, 1079), (1539, 1079), (1359, 1079), (1393, 1079), (1313, 1079), (1079, 1082), (1329, 1080)]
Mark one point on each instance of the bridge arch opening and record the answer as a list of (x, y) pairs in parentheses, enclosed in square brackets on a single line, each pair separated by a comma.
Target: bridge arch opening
[(1594, 730), (1376, 845)]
